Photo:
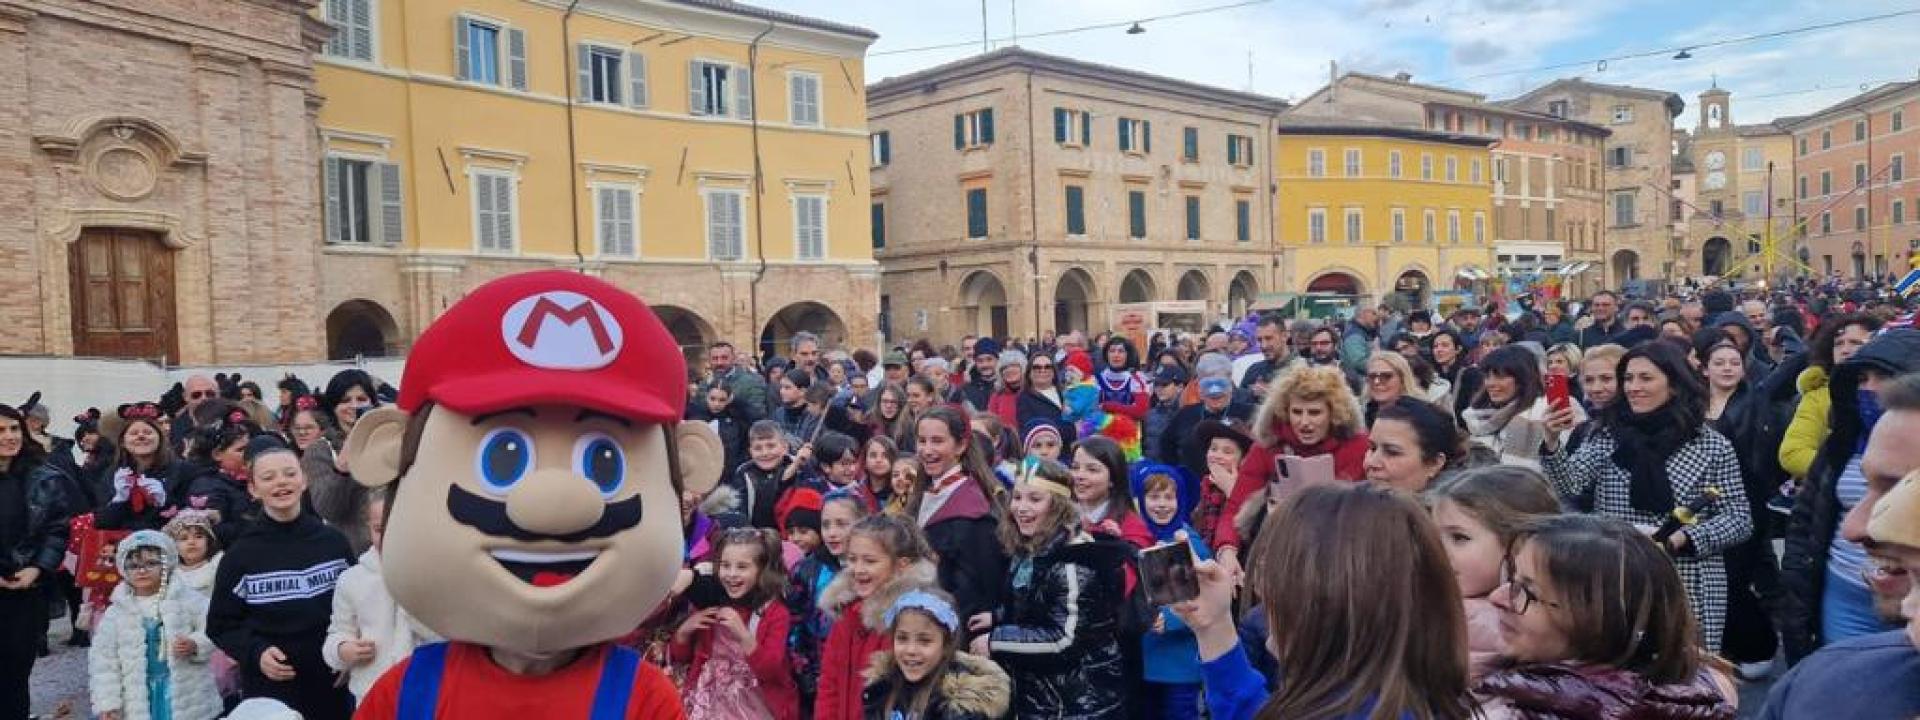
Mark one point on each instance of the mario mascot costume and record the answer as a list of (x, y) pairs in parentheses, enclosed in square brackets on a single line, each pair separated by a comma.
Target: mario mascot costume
[(536, 457)]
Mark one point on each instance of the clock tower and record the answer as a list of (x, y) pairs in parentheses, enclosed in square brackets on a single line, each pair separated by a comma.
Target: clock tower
[(1718, 214)]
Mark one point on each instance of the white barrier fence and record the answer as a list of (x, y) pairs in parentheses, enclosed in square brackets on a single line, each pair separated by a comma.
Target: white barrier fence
[(70, 385)]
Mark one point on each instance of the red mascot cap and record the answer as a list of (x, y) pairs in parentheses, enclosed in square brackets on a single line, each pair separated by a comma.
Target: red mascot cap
[(550, 337)]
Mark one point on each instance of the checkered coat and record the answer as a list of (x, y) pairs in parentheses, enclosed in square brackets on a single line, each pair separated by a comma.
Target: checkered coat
[(1706, 461)]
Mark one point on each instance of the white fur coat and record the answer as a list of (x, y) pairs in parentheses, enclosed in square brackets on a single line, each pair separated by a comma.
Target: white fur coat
[(117, 663), (200, 578), (362, 610)]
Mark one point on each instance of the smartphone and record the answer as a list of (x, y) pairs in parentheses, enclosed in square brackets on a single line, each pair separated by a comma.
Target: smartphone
[(1167, 573), (1300, 472), (1557, 396)]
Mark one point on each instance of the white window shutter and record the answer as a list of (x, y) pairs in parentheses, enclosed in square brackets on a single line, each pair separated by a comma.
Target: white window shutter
[(607, 221), (624, 240), (796, 99), (503, 200), (517, 57), (583, 65), (636, 79), (696, 89), (392, 210), (330, 177), (338, 45), (743, 92), (483, 210), (361, 44), (461, 53)]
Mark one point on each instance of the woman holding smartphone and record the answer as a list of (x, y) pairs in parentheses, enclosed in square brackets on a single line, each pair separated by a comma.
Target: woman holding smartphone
[(1309, 412)]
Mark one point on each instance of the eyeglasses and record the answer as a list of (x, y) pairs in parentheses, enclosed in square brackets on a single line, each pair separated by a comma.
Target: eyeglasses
[(1380, 378), (200, 395), (1521, 595), (1038, 368), (134, 566)]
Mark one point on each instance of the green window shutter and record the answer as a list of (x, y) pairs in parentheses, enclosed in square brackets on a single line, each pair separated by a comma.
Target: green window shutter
[(1243, 221), (1086, 129), (977, 213), (986, 126), (1136, 214), (1126, 138), (1146, 137), (1076, 210), (1193, 218), (1059, 125), (879, 226), (886, 148), (960, 131), (1190, 143)]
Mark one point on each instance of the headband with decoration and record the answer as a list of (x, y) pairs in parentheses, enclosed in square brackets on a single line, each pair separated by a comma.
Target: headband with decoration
[(929, 603), (1036, 471), (140, 411), (306, 402)]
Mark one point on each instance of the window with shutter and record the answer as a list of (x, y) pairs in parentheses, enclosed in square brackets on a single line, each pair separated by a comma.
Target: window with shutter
[(1243, 221), (1316, 163), (1193, 217), (803, 96), (1427, 228), (725, 232), (719, 89), (1399, 226), (1393, 163), (352, 199), (976, 213), (973, 129), (1453, 227), (742, 93), (879, 226), (810, 227), (483, 212), (330, 185), (1125, 129), (882, 148), (986, 126), (1317, 226), (1356, 228), (1086, 129), (1136, 214), (1146, 137), (517, 58), (1352, 163), (637, 80), (1059, 125), (477, 51), (392, 206), (615, 210), (960, 131), (601, 80), (1190, 144), (1076, 210), (353, 29)]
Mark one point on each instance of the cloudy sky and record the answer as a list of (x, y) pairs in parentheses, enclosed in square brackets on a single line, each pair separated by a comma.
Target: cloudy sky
[(1498, 47)]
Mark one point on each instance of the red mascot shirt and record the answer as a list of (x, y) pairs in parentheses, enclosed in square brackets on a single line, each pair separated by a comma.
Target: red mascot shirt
[(472, 686)]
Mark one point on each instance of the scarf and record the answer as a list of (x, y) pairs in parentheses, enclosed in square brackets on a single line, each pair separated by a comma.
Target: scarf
[(1642, 444)]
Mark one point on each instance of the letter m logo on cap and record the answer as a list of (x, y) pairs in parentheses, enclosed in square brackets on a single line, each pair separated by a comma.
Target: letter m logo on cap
[(561, 330)]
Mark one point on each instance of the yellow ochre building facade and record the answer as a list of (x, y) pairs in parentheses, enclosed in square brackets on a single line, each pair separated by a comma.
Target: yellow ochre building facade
[(710, 156), (1373, 210)]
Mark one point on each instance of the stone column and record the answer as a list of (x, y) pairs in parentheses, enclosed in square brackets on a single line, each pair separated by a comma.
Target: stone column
[(295, 318), (215, 292)]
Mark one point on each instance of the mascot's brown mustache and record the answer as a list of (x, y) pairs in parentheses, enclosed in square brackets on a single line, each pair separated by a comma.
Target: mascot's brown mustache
[(490, 517)]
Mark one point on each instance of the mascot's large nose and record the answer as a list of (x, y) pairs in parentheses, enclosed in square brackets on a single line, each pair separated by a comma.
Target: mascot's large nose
[(555, 501)]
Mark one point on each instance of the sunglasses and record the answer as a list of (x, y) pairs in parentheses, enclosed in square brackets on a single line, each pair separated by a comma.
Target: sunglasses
[(1042, 367), (1380, 378), (200, 395)]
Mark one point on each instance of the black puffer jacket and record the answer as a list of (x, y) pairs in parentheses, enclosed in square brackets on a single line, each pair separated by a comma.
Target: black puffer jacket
[(1057, 629), (44, 541), (1816, 510)]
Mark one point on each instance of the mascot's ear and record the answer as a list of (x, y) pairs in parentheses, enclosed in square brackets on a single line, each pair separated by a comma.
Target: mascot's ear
[(701, 455), (372, 451)]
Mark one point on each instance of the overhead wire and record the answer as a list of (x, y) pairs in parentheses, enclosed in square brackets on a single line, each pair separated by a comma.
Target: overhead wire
[(1079, 29)]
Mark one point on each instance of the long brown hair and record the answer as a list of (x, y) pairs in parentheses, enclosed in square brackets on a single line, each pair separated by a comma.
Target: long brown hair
[(1062, 512), (1503, 497), (162, 456), (1624, 602), (1388, 629), (771, 581), (915, 697), (973, 458)]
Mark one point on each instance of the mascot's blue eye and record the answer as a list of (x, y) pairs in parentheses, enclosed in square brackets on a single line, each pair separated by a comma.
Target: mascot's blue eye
[(506, 454), (600, 459)]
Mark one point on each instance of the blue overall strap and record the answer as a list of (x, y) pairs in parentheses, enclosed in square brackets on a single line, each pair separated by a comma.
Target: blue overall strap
[(617, 674), (420, 686)]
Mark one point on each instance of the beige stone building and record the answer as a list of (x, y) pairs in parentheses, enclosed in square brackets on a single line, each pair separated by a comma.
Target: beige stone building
[(1016, 192), (1740, 209), (1638, 169), (157, 194), (1548, 208)]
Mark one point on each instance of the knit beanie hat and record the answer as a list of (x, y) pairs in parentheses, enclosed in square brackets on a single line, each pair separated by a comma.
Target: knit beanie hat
[(800, 508), (986, 346), (1079, 360), (1038, 427)]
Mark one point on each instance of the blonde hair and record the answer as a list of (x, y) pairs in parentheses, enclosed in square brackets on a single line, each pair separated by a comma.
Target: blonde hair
[(1571, 352), (1409, 383), (1608, 353), (1307, 384)]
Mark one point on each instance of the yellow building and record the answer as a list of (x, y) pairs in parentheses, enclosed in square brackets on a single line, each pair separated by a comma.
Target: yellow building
[(1368, 209), (710, 156)]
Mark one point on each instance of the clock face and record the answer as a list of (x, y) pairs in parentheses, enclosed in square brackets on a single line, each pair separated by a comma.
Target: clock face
[(1716, 160), (1716, 180)]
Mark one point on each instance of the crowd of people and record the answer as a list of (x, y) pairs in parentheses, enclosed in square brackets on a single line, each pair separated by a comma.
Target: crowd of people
[(1564, 510)]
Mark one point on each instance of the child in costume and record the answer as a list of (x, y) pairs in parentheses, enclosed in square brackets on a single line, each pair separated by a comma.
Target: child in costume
[(808, 582), (150, 649), (736, 653), (1166, 495)]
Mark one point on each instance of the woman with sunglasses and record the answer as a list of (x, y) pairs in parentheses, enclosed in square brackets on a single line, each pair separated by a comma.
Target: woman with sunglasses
[(1596, 624), (1041, 400)]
